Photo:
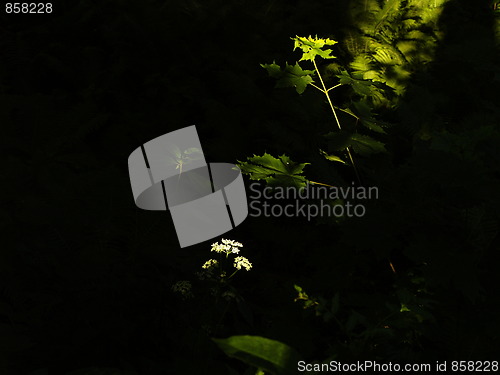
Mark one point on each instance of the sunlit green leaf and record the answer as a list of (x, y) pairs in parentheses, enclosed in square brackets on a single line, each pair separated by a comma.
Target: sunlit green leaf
[(331, 157), (273, 70), (312, 47), (360, 86), (268, 355), (280, 171)]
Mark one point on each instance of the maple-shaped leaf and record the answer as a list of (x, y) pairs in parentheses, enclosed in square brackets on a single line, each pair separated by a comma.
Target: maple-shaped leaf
[(360, 86), (268, 356), (331, 157), (365, 145), (361, 144), (279, 171), (273, 70), (312, 47), (363, 111), (339, 140), (290, 76)]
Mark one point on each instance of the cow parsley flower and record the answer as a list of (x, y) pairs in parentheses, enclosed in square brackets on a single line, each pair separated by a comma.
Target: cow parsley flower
[(209, 263), (221, 248), (227, 247), (232, 243), (240, 262)]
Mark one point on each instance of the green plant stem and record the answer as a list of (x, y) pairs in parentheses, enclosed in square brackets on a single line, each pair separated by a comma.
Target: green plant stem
[(323, 91), (319, 88), (336, 118), (327, 96), (349, 113), (234, 273), (320, 183), (334, 87)]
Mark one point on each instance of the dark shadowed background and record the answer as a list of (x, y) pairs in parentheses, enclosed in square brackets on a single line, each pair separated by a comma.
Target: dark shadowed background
[(86, 276)]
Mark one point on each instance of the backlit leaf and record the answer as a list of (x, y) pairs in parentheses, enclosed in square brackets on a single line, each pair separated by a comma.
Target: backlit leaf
[(365, 145), (290, 76), (312, 47), (275, 171), (269, 355), (331, 157)]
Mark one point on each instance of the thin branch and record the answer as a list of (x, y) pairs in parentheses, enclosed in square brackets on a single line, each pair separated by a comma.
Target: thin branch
[(320, 183), (334, 87), (349, 113), (336, 119), (327, 96), (320, 89)]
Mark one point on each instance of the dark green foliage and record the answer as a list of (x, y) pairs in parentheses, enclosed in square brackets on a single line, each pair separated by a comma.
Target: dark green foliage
[(276, 172), (361, 144), (271, 356), (363, 90), (290, 76), (388, 41)]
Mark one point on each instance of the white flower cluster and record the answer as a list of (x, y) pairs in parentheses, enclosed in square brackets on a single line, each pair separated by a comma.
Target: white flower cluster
[(209, 264), (213, 271), (240, 262), (208, 269), (227, 246), (212, 266)]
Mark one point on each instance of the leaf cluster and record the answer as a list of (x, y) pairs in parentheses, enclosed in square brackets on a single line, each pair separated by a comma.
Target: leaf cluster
[(290, 76), (281, 171)]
